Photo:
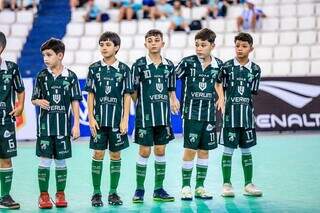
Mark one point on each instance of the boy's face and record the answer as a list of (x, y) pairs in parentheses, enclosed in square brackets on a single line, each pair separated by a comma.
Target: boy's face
[(203, 48), (51, 59), (154, 44), (243, 48), (108, 49)]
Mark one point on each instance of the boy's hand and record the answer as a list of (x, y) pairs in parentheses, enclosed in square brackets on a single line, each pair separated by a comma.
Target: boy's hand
[(220, 105), (75, 132), (124, 126), (16, 111), (174, 105), (93, 127), (43, 103)]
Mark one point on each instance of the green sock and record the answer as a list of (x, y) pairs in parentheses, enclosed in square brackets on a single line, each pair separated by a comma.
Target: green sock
[(226, 167), (247, 168), (96, 172), (201, 175), (160, 171), (115, 166), (61, 178), (141, 171), (186, 177), (6, 180), (43, 178)]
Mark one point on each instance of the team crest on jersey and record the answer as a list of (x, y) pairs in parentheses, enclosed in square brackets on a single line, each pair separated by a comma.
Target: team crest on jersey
[(6, 78), (107, 90), (44, 144), (241, 90), (56, 98), (209, 128), (231, 136), (193, 137), (98, 136), (142, 133), (7, 134), (65, 84), (118, 77), (159, 87), (202, 85), (250, 77)]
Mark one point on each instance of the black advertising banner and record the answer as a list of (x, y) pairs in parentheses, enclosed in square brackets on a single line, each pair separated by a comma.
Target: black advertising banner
[(288, 104)]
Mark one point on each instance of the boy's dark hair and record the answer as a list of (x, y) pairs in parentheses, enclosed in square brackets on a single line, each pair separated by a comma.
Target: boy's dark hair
[(154, 32), (3, 40), (206, 34), (244, 37), (53, 44), (110, 36)]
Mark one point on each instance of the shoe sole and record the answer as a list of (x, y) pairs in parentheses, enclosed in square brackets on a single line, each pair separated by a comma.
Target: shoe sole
[(187, 199), (203, 198), (115, 204), (97, 205), (227, 195), (45, 207), (252, 195), (163, 200), (10, 207), (137, 201), (61, 206)]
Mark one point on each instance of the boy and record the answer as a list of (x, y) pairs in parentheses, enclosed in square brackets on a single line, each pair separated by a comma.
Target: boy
[(199, 75), (240, 78), (154, 85), (11, 85), (109, 86), (56, 90)]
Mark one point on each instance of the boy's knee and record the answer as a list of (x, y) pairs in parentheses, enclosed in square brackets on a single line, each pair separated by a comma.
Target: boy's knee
[(144, 151), (160, 150), (115, 155), (6, 163), (98, 154), (204, 154)]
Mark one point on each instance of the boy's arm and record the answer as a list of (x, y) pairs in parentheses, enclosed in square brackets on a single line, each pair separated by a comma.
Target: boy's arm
[(17, 111), (220, 103), (37, 98), (92, 121), (76, 124), (135, 80), (125, 115), (174, 102)]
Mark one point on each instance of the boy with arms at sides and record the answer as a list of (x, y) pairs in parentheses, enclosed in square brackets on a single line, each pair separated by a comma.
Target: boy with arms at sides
[(109, 85), (240, 78), (199, 75), (11, 85), (56, 92), (154, 84)]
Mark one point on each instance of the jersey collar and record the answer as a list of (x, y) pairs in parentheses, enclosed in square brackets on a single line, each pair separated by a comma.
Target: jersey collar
[(247, 65), (114, 65), (3, 65), (163, 60), (214, 63), (64, 72)]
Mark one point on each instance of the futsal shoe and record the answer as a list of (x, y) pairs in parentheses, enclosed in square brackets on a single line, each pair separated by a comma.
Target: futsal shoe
[(96, 200), (114, 199), (138, 196), (186, 193), (6, 202), (251, 190), (227, 190), (202, 193), (61, 200), (44, 201), (162, 195)]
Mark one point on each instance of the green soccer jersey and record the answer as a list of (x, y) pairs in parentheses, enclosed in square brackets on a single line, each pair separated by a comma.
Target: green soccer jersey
[(10, 83), (153, 84), (109, 83), (198, 88), (59, 91), (239, 83)]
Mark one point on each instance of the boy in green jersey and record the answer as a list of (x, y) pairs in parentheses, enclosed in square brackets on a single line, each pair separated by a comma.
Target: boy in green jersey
[(56, 92), (154, 82), (109, 85), (11, 85), (199, 75), (240, 77)]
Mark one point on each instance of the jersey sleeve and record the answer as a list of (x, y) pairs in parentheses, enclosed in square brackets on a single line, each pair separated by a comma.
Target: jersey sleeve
[(180, 69), (37, 91), (128, 84), (135, 74), (90, 83), (75, 89), (17, 81), (255, 83), (172, 80)]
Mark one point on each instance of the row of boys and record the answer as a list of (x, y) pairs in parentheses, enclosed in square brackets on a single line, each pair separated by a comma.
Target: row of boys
[(151, 84)]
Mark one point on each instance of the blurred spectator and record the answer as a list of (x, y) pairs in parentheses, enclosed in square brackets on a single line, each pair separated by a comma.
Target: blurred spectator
[(148, 8), (178, 23), (129, 9), (28, 4), (115, 4), (95, 13), (251, 17), (12, 4), (163, 10), (77, 3), (217, 8)]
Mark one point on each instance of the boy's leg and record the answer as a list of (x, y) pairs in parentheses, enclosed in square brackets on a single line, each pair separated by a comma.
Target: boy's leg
[(187, 167), (202, 167), (43, 179), (159, 165), (6, 172), (96, 170), (61, 180)]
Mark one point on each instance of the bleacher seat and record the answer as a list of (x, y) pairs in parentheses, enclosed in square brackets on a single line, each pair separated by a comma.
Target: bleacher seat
[(198, 12), (231, 25), (226, 53), (269, 38), (77, 15), (128, 27), (25, 17), (305, 10), (186, 13), (307, 37), (71, 43), (10, 56), (75, 29), (178, 40), (7, 17), (288, 38), (92, 29), (139, 41), (270, 24), (80, 70), (315, 52), (229, 39), (134, 54), (234, 11), (266, 68), (174, 55), (96, 56), (68, 58), (300, 68), (271, 10), (315, 67), (288, 10), (188, 52), (288, 23), (282, 53), (5, 28), (144, 26), (126, 42), (83, 57), (217, 25), (307, 23), (263, 53), (89, 43), (15, 43), (163, 25), (19, 30), (122, 56), (280, 68), (300, 52), (219, 39)]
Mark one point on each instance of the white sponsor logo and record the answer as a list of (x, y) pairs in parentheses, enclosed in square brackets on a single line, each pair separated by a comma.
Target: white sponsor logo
[(7, 134), (297, 95), (56, 98), (202, 85), (159, 87)]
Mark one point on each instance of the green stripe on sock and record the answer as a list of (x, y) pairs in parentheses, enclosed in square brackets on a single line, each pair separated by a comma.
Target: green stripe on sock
[(61, 178), (96, 172), (201, 175), (247, 168), (141, 171), (160, 171), (226, 167), (115, 167), (6, 180), (43, 178), (186, 177)]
